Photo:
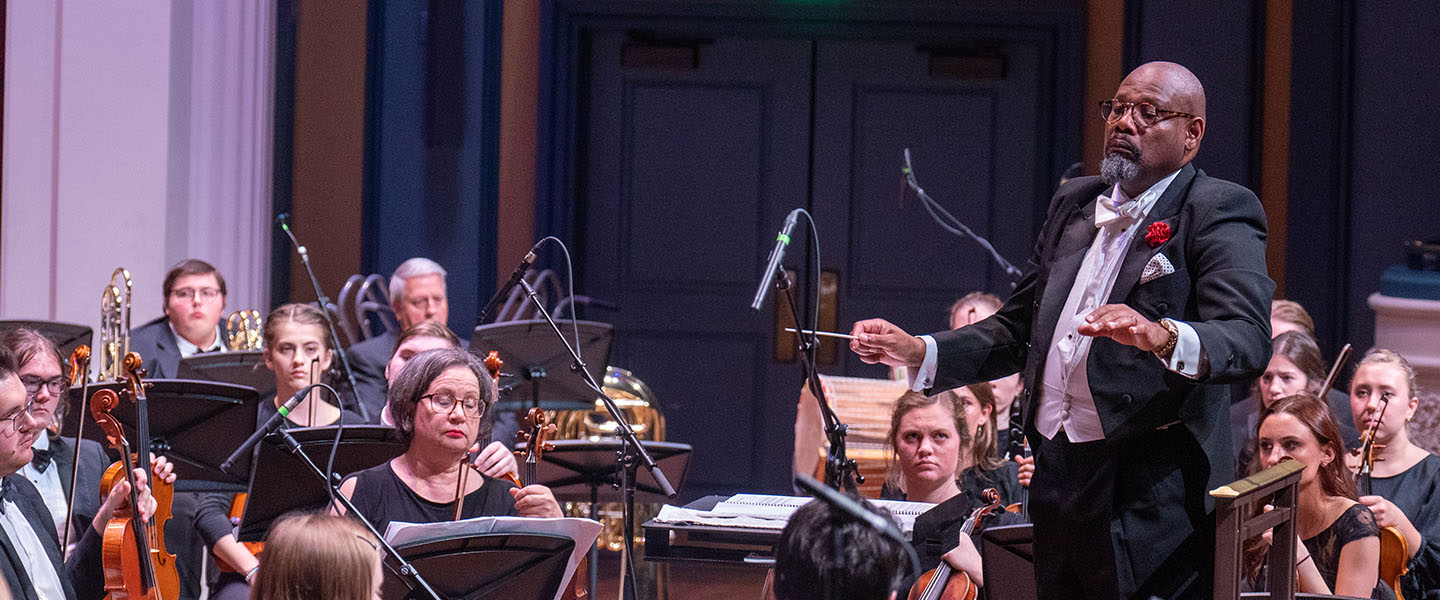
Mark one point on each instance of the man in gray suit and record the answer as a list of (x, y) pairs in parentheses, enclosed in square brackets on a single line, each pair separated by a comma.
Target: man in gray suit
[(1146, 294), (417, 294)]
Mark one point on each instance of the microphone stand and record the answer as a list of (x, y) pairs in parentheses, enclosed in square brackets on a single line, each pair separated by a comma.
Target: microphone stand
[(322, 301), (406, 569), (632, 454), (841, 473)]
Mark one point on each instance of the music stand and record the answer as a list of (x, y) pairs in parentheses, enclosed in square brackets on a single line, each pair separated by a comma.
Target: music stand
[(492, 565), (281, 482), (532, 353), (194, 424), (1008, 555), (67, 336), (576, 470), (246, 367)]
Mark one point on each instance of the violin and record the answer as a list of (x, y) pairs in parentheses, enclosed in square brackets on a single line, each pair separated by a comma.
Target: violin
[(942, 582), (136, 563), (79, 365), (1394, 552)]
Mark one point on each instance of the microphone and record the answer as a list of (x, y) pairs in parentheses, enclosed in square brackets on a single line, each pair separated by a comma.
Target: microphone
[(264, 430), (509, 285), (776, 255), (283, 220)]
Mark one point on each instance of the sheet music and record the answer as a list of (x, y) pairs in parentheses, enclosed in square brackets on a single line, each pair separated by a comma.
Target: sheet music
[(583, 531), (762, 511)]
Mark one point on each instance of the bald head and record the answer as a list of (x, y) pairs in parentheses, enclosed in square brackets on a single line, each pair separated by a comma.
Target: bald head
[(1183, 88), (1140, 152)]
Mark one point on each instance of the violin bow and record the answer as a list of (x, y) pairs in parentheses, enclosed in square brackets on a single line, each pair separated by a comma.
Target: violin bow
[(79, 365), (1335, 370)]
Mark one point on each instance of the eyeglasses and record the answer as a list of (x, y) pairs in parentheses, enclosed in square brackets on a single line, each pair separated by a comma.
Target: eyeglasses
[(11, 424), (33, 384), (206, 294), (442, 403), (1145, 114)]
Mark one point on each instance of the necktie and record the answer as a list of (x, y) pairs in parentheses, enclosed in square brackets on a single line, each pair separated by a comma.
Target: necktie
[(41, 459)]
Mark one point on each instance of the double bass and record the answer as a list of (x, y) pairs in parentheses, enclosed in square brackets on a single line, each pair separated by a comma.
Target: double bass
[(137, 564)]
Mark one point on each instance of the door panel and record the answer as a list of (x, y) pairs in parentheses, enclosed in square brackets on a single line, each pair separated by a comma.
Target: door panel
[(974, 148), (688, 173)]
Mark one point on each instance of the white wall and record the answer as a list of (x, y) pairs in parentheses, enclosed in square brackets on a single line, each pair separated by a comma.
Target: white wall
[(136, 134)]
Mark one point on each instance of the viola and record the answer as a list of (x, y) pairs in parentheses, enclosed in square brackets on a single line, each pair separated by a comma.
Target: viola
[(136, 563), (942, 582)]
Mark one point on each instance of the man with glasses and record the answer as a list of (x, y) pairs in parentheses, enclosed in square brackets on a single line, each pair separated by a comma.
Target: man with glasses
[(46, 381), (1147, 294), (30, 558), (194, 301), (417, 295)]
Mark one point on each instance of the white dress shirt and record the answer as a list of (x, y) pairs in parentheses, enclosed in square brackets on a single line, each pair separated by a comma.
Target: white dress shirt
[(51, 490), (188, 349), (1065, 401), (37, 563)]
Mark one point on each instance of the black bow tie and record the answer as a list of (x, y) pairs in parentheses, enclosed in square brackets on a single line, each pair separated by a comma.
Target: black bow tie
[(41, 460)]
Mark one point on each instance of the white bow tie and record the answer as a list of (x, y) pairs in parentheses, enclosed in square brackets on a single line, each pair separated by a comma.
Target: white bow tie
[(1107, 213)]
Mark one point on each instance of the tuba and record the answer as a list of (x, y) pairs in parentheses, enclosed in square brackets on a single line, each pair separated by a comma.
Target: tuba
[(114, 326), (245, 330), (636, 402)]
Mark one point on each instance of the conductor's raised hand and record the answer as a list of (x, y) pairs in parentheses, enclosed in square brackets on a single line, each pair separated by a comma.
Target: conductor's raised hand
[(880, 341), (1122, 324)]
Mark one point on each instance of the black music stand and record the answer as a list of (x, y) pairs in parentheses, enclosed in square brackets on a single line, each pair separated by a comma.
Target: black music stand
[(531, 353), (281, 482), (492, 565), (195, 424), (245, 368), (1008, 554), (577, 470), (67, 336)]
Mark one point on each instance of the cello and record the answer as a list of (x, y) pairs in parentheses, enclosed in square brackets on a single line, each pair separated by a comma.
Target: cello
[(942, 582), (136, 563)]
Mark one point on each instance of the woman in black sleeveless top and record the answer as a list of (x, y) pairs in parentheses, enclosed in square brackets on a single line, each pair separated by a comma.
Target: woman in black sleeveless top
[(439, 401)]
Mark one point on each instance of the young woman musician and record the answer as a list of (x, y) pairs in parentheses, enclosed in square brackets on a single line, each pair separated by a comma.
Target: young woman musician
[(1405, 482), (930, 439), (297, 351), (1339, 548), (1295, 367), (439, 402), (319, 555)]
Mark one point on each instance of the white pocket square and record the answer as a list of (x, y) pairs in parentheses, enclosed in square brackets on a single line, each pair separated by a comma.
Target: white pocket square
[(1158, 267)]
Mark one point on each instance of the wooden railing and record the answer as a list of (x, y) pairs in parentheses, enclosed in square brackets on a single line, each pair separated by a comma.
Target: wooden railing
[(1238, 518)]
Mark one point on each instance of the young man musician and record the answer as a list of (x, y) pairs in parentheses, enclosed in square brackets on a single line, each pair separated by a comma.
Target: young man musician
[(30, 558), (194, 301)]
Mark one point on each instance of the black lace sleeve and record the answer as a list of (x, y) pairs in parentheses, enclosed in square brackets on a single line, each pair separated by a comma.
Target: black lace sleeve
[(1357, 523)]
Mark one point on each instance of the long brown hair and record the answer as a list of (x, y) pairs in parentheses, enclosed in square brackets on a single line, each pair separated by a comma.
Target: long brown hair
[(985, 444), (1315, 415), (1302, 351), (316, 555), (909, 402)]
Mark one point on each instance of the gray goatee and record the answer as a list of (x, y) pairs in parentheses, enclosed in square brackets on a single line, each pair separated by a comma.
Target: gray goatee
[(1116, 168)]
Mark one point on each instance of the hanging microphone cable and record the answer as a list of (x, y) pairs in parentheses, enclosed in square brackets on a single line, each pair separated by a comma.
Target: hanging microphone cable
[(949, 223)]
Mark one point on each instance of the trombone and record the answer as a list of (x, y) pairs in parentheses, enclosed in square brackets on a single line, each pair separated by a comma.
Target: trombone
[(114, 326)]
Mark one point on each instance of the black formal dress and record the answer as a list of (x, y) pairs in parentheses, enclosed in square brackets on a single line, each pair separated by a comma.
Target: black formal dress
[(1416, 492), (1129, 516), (383, 498), (1357, 522)]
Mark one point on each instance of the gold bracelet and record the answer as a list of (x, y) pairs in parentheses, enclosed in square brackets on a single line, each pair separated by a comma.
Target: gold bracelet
[(1169, 347)]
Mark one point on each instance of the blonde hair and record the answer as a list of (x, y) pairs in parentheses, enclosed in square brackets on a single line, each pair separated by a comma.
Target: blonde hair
[(911, 401), (316, 555), (1290, 311), (1383, 356)]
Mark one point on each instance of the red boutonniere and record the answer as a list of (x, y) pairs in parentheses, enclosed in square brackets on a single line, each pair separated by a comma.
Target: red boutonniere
[(1158, 233)]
